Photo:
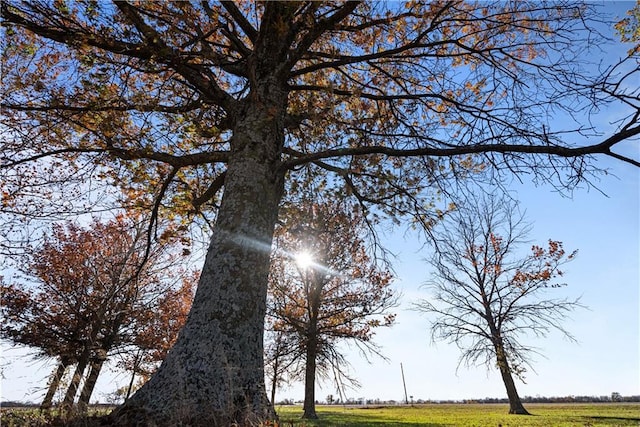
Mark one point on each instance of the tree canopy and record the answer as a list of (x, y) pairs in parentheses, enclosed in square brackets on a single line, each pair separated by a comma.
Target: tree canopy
[(87, 294), (144, 96)]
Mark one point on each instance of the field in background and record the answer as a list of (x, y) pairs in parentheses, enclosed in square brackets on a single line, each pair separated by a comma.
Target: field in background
[(468, 415), (429, 415)]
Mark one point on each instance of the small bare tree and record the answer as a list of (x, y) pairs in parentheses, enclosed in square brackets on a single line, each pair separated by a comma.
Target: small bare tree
[(487, 295)]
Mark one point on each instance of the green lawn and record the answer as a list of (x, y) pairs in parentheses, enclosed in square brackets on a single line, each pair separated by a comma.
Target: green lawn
[(464, 415), (476, 415)]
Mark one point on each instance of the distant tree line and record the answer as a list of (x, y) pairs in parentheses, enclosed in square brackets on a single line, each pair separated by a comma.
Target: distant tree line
[(613, 397)]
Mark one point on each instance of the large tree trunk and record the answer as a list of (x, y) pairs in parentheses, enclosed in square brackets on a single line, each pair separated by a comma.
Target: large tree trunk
[(310, 381), (214, 375), (56, 376), (515, 404)]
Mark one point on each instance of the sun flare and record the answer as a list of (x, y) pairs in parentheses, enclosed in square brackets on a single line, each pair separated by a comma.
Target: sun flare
[(304, 260)]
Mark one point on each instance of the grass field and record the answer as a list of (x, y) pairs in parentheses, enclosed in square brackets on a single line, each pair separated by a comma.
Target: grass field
[(464, 415), (468, 415)]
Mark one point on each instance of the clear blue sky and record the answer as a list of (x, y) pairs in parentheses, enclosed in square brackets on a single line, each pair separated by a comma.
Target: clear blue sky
[(606, 273)]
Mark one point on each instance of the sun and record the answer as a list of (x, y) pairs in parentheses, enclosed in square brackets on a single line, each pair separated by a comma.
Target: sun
[(304, 260)]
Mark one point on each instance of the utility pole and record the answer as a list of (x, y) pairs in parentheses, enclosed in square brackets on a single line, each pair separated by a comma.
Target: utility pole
[(406, 399)]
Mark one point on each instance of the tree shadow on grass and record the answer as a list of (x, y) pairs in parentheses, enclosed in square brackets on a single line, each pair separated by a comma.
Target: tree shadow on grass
[(341, 419), (613, 419), (600, 419)]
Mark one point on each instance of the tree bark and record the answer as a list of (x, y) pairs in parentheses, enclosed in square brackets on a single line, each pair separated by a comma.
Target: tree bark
[(214, 375), (515, 404), (56, 376)]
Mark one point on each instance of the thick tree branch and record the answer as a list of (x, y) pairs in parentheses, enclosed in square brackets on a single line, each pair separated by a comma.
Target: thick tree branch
[(554, 150), (172, 109), (210, 192), (192, 73), (320, 28), (239, 18), (153, 48), (130, 154), (70, 36)]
